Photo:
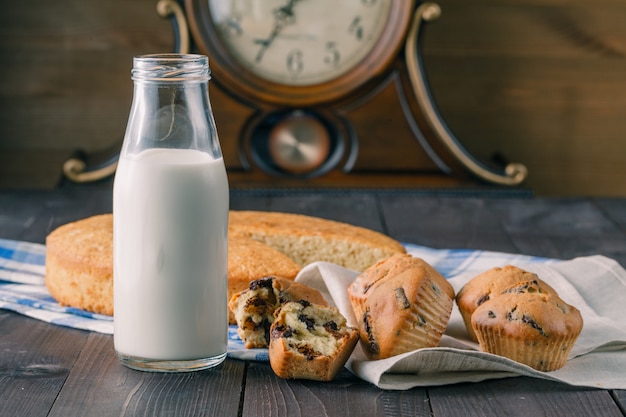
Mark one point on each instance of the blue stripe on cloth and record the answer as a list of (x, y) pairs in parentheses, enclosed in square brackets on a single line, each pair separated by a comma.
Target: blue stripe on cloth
[(454, 262), (5, 251), (23, 252), (237, 349), (22, 262)]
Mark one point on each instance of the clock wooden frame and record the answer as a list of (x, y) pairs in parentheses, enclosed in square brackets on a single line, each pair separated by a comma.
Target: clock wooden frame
[(383, 128)]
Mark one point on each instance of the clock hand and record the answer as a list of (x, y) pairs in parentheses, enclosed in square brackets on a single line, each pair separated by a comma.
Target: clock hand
[(283, 16)]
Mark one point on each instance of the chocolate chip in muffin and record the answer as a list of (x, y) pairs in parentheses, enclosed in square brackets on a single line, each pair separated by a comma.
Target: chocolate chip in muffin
[(281, 331), (436, 289), (310, 322), (510, 315), (523, 287), (526, 319), (254, 307), (482, 299), (331, 326), (265, 282), (403, 301), (532, 323), (372, 345), (308, 352)]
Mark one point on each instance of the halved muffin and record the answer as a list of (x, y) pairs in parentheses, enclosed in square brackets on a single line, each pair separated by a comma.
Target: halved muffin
[(310, 341), (254, 307)]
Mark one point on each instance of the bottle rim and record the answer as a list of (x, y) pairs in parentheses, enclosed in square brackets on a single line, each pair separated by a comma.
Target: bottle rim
[(171, 67)]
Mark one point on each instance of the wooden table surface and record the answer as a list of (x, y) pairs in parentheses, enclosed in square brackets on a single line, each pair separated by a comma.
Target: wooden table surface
[(47, 370)]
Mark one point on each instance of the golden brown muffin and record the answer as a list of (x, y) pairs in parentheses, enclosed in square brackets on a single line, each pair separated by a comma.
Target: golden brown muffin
[(493, 283), (254, 307), (79, 266), (533, 328), (310, 341), (307, 239), (401, 304), (369, 279)]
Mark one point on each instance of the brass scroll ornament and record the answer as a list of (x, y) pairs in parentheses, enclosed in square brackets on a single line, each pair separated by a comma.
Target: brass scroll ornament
[(514, 173)]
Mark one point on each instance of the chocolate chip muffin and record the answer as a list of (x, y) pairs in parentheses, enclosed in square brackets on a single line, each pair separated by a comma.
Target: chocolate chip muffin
[(493, 283), (310, 341), (534, 328), (401, 304), (254, 307)]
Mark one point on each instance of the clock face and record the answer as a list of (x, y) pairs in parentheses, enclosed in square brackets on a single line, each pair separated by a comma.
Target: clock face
[(299, 42)]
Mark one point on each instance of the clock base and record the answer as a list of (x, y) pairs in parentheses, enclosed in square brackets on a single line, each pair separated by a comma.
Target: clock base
[(336, 180)]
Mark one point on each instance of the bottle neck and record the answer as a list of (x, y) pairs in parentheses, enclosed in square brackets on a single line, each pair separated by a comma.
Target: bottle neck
[(171, 107), (171, 68)]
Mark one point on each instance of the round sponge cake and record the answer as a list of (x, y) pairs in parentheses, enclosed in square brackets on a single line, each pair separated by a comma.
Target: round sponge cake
[(79, 260), (79, 264)]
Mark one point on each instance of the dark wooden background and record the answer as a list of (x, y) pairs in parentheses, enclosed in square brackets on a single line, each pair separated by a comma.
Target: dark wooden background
[(542, 82)]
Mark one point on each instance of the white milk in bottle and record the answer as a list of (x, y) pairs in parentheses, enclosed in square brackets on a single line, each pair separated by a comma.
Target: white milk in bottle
[(170, 217)]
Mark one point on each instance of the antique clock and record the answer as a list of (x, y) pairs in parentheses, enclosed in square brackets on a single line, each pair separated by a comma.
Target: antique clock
[(322, 92)]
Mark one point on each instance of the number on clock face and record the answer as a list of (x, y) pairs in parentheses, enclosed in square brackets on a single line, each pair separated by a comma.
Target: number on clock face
[(299, 42)]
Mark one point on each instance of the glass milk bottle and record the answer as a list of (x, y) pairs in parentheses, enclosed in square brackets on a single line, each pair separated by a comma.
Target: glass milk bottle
[(170, 221)]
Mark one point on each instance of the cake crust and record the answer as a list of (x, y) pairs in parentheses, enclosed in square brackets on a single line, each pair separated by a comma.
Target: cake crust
[(79, 267), (307, 239)]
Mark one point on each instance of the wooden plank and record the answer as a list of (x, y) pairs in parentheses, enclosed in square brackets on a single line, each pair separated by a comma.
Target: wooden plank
[(66, 70), (614, 209), (353, 208), (361, 180), (358, 208), (560, 228), (444, 222), (549, 28), (521, 397), (346, 396), (249, 200), (541, 227), (31, 215), (100, 385), (17, 168), (620, 398), (35, 360), (541, 82), (20, 216)]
